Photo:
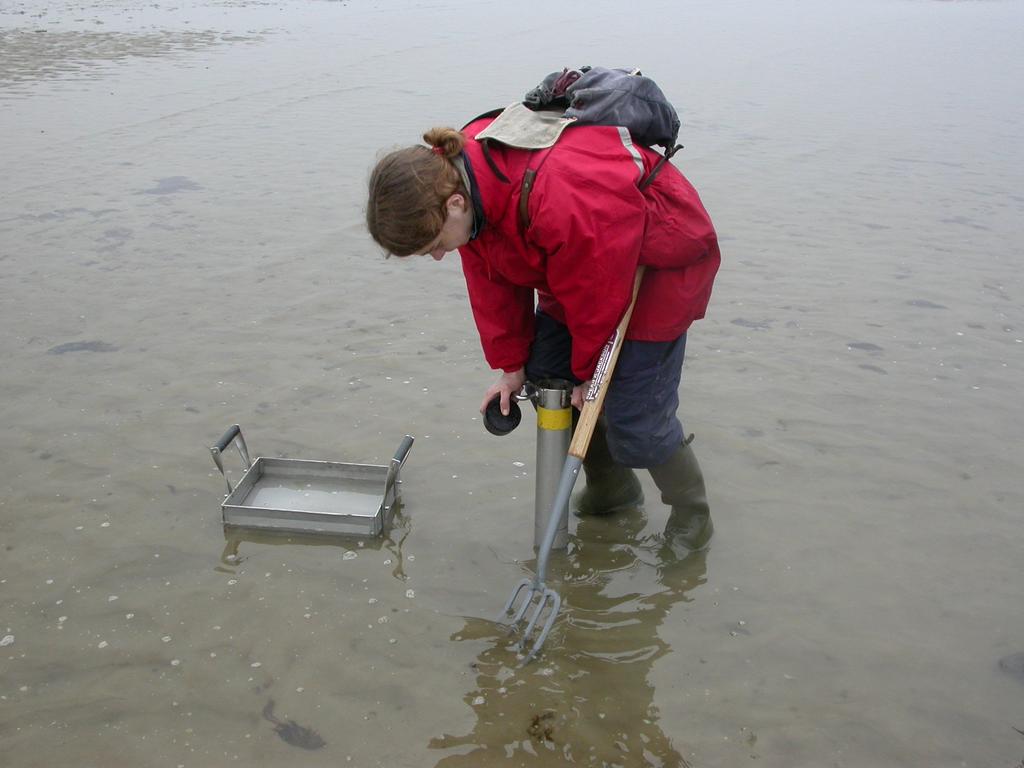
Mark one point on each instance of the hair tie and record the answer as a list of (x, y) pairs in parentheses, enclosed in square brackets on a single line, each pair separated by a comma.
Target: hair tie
[(438, 151)]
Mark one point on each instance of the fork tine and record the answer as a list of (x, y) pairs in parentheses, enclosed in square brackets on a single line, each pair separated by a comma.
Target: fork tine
[(512, 599), (533, 618), (556, 604), (524, 606), (545, 597)]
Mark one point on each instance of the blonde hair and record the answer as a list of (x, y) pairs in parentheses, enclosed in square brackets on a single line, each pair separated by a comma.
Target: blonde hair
[(408, 190)]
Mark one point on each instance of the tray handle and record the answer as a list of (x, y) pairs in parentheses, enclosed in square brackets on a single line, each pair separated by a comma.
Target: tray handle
[(233, 434), (397, 461)]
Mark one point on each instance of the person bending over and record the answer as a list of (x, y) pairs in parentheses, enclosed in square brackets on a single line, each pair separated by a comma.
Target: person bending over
[(572, 250)]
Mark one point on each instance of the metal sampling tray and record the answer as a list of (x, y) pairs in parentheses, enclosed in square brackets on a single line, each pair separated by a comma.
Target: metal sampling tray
[(310, 496)]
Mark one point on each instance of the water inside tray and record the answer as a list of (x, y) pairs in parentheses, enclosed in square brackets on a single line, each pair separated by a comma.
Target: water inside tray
[(314, 494)]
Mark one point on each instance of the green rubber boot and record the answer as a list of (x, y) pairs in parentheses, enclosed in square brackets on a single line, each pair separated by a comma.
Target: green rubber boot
[(610, 487), (681, 484)]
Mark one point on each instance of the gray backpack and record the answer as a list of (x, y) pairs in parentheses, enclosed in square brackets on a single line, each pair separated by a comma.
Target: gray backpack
[(601, 96), (585, 96)]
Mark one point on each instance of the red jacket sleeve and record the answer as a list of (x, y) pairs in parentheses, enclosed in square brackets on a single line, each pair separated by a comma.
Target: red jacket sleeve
[(503, 313), (587, 216)]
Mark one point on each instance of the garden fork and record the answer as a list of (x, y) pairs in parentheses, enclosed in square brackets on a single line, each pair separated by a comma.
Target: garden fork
[(535, 592)]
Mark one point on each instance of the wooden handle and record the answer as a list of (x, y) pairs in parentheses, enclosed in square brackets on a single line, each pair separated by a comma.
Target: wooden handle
[(592, 408)]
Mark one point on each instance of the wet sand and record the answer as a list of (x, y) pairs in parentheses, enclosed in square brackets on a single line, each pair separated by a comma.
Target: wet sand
[(181, 248)]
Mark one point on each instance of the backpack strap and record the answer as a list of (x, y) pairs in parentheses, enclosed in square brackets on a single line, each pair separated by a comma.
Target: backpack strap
[(486, 145), (488, 113), (527, 186), (650, 177)]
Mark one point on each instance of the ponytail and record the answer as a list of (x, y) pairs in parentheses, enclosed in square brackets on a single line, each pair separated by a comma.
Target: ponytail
[(447, 142)]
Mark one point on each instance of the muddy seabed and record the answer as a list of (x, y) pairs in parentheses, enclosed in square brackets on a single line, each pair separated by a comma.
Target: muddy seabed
[(181, 248)]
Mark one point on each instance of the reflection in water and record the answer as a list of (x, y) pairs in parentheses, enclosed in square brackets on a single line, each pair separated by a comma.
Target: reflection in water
[(588, 699), (393, 538)]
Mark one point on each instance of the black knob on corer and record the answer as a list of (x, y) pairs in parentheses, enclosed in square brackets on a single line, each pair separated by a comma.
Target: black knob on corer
[(498, 423)]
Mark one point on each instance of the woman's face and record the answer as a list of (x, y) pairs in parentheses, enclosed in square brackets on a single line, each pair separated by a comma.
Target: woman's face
[(456, 230)]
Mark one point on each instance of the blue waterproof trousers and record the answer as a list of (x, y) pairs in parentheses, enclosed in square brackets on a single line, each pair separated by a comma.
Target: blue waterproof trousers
[(640, 408)]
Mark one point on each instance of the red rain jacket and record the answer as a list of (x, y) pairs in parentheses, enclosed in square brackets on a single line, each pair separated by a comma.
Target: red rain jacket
[(590, 226)]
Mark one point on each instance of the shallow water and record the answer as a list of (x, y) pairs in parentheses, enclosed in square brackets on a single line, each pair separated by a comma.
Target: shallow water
[(181, 248), (349, 498)]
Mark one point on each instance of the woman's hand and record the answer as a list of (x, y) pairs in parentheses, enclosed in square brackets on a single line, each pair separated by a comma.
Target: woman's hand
[(578, 393), (508, 385)]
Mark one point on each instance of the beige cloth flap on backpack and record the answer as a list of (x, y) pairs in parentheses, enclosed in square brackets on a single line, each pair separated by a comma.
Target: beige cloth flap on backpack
[(521, 127)]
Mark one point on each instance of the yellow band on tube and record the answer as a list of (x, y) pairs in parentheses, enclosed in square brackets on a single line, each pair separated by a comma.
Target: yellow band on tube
[(554, 418)]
